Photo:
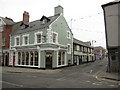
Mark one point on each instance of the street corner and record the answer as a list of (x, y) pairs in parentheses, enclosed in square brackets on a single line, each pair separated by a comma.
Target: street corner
[(108, 77)]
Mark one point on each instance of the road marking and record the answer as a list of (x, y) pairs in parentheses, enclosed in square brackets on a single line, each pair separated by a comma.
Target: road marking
[(12, 84), (110, 80), (112, 85), (63, 78), (88, 81)]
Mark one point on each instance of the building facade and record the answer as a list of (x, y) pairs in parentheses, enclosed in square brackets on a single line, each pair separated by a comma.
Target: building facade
[(44, 43), (5, 31), (112, 29), (82, 52), (100, 52)]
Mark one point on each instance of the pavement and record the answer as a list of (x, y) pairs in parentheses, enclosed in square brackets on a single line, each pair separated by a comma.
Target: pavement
[(113, 77), (28, 70)]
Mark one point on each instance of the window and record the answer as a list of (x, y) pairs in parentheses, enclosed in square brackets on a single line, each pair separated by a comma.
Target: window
[(26, 40), (54, 38), (3, 41), (68, 34), (17, 41), (31, 58), (27, 58), (39, 38), (19, 57), (69, 49), (61, 58), (36, 58)]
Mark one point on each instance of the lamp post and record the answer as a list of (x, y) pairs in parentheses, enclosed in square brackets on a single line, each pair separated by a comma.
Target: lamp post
[(112, 31)]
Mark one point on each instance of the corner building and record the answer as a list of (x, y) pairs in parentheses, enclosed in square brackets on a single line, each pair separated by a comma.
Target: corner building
[(44, 43)]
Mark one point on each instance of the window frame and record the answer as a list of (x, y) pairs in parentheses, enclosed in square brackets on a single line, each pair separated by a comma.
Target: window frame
[(69, 51), (55, 38), (68, 35), (16, 41), (26, 35), (38, 33)]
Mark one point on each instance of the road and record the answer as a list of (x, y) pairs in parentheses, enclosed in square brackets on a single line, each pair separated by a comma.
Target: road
[(82, 76)]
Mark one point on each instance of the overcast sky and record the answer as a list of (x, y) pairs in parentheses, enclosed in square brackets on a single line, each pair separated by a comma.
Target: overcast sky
[(87, 15)]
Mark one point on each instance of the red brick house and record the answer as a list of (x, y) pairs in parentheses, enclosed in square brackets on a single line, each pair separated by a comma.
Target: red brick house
[(5, 31)]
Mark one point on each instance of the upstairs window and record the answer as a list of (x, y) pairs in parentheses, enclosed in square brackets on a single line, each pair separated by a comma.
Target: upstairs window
[(68, 35), (54, 38), (26, 40), (69, 49), (39, 37), (17, 40), (3, 41)]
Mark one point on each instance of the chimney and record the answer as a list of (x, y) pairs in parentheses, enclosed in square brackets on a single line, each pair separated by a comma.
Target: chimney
[(58, 10), (26, 17)]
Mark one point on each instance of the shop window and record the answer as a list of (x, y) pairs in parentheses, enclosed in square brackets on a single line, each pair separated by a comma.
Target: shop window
[(23, 58), (31, 58), (27, 58), (63, 58), (36, 58), (19, 57), (59, 58)]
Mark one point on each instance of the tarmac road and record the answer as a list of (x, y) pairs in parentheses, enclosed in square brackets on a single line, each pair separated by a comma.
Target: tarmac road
[(82, 76)]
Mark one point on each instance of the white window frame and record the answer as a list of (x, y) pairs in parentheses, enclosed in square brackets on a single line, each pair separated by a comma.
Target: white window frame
[(56, 37), (16, 41), (68, 36), (23, 41), (69, 52), (37, 33)]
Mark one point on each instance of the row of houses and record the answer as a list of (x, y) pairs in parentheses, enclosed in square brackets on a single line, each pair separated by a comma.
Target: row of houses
[(45, 43)]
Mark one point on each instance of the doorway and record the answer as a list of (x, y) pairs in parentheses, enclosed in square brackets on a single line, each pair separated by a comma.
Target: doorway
[(48, 58)]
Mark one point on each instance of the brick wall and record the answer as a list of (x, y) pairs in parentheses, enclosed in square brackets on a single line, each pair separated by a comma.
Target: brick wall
[(6, 33)]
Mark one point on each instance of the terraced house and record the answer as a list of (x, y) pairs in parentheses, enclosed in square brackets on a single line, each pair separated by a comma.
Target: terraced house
[(44, 43), (83, 52)]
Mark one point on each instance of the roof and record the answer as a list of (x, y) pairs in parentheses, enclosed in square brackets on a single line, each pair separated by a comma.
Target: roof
[(34, 25), (7, 21), (98, 48), (76, 41), (111, 3)]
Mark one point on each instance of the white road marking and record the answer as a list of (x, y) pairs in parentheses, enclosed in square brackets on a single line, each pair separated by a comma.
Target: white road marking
[(12, 84), (112, 85), (61, 78), (88, 81)]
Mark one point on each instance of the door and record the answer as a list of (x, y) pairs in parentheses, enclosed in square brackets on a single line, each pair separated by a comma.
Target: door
[(49, 58)]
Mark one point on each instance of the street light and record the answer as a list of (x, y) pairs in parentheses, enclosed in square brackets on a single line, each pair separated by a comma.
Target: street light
[(112, 31)]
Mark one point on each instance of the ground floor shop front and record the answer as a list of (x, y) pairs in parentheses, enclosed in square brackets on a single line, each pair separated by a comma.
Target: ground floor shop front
[(39, 58)]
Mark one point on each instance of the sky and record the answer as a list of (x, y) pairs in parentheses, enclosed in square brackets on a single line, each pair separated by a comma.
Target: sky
[(84, 17)]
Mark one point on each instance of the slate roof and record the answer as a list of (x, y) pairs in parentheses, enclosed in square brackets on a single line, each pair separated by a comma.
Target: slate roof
[(33, 25), (8, 21), (76, 41)]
